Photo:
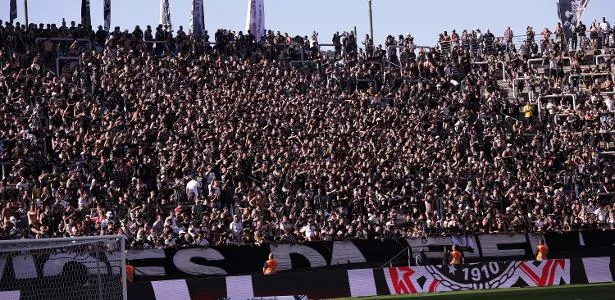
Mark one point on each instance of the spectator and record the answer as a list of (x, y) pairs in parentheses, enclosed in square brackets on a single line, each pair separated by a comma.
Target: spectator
[(421, 258), (177, 145)]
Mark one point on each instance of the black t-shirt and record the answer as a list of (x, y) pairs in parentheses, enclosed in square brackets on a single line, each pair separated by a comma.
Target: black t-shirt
[(581, 29), (101, 36)]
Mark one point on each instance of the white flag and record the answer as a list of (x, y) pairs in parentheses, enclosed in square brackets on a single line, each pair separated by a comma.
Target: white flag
[(165, 14), (255, 21), (197, 19)]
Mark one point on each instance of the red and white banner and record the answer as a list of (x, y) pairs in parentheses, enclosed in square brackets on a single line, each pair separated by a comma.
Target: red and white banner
[(491, 275)]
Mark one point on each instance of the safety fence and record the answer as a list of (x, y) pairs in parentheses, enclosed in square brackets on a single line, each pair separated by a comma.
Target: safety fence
[(171, 263), (388, 281)]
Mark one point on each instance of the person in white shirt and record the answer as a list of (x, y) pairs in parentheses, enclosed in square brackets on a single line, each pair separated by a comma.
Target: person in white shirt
[(601, 214), (590, 208), (605, 28), (552, 108), (193, 187), (309, 231), (84, 202), (236, 226), (610, 104)]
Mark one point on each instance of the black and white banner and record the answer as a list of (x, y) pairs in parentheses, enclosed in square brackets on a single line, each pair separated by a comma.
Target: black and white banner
[(107, 14), (255, 21), (156, 264), (333, 269), (235, 260), (165, 14), (197, 18), (86, 19), (570, 13), (13, 10), (389, 281)]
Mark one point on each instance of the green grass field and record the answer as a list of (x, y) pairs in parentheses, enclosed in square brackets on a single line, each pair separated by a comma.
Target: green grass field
[(601, 291)]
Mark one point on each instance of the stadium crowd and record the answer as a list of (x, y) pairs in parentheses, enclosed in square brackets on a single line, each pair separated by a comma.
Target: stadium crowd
[(176, 141)]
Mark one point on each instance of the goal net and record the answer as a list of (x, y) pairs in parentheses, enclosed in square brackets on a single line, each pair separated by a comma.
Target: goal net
[(63, 268)]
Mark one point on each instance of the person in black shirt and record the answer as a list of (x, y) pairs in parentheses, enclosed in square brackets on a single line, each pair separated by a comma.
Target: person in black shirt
[(148, 38), (137, 33), (580, 31), (446, 257), (421, 259), (337, 44), (199, 209)]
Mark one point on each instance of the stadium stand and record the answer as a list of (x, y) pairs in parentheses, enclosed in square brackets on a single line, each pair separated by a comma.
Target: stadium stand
[(176, 141)]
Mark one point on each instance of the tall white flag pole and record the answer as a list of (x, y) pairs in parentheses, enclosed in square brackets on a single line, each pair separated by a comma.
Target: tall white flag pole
[(255, 20), (165, 14)]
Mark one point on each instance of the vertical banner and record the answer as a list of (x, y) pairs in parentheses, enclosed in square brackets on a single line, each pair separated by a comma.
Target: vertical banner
[(197, 18), (165, 14), (255, 21), (13, 10), (107, 14), (86, 20), (570, 13)]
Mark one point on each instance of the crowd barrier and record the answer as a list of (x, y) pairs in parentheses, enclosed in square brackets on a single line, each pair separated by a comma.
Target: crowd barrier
[(387, 281), (334, 269), (153, 264)]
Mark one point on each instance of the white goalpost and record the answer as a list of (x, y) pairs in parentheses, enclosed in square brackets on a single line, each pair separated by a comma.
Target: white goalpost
[(91, 267)]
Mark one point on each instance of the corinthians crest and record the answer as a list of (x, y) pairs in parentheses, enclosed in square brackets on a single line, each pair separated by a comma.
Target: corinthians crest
[(474, 276), (487, 275)]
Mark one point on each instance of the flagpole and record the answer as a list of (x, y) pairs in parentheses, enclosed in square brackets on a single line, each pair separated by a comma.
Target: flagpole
[(25, 10)]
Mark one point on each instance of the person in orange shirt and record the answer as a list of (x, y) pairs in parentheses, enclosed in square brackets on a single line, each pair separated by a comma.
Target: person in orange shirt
[(542, 251), (130, 272), (271, 265), (456, 256)]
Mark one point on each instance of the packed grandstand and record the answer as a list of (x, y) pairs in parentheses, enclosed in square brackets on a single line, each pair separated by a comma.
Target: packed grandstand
[(177, 141)]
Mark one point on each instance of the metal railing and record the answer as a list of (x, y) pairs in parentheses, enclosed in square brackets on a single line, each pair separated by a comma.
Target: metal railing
[(552, 96), (516, 41), (68, 58), (326, 53), (5, 165), (86, 41), (542, 60), (368, 81), (502, 63), (515, 84), (306, 62), (580, 75), (396, 256), (603, 56)]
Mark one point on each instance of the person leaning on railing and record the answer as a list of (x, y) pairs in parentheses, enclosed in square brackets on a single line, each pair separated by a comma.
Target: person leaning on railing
[(542, 251), (271, 265), (456, 256)]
